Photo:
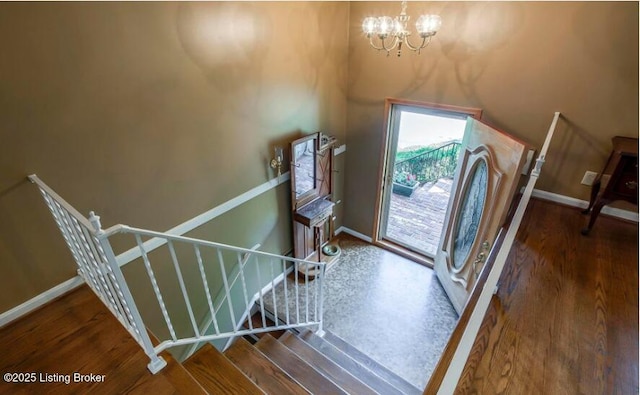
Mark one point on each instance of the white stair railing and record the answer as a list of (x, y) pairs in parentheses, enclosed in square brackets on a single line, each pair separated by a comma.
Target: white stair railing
[(97, 265)]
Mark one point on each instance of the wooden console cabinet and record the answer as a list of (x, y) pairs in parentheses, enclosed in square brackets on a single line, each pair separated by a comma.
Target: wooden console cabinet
[(617, 181), (311, 195)]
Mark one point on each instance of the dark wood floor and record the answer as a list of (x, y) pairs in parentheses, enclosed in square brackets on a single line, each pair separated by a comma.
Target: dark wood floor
[(566, 320), (77, 333)]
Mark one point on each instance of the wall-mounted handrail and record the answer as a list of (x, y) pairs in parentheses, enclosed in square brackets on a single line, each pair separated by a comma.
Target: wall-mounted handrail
[(456, 366), (98, 266)]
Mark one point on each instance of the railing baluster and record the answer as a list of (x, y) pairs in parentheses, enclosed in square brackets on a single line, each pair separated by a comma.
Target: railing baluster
[(117, 302), (297, 286), (315, 295), (121, 296), (241, 263), (226, 289), (205, 284), (286, 292), (83, 261), (56, 216), (320, 318), (183, 288), (65, 235), (96, 266), (156, 288), (306, 291), (264, 318), (273, 292)]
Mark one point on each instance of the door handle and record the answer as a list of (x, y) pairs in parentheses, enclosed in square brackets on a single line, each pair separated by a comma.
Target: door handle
[(481, 258)]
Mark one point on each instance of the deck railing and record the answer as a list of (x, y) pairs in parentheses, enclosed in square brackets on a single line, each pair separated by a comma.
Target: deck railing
[(432, 165), (222, 270)]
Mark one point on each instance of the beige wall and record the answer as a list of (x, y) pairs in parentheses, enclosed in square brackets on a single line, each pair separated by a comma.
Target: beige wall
[(519, 62), (148, 114), (152, 113)]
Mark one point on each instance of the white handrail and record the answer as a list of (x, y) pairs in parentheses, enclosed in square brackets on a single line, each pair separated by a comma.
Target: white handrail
[(98, 266), (150, 233), (452, 376)]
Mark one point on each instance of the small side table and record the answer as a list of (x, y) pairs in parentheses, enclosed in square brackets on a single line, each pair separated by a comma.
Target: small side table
[(617, 181)]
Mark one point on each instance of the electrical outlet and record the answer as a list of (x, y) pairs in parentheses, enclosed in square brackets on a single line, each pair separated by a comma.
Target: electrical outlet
[(589, 177)]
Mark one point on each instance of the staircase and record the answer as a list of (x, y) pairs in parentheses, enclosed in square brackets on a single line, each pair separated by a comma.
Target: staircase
[(295, 363), (77, 333), (76, 337)]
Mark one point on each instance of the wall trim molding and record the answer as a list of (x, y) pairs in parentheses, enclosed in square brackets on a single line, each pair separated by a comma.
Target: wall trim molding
[(134, 253), (39, 300), (201, 219), (354, 234), (573, 202)]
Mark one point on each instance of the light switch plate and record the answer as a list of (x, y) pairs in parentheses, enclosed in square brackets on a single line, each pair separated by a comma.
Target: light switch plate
[(589, 177)]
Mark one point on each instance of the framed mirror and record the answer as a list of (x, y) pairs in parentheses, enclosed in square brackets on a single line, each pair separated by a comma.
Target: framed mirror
[(304, 183)]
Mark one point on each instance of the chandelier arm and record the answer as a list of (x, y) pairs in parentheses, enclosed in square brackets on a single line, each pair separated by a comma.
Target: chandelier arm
[(383, 46), (424, 43), (393, 45), (374, 45)]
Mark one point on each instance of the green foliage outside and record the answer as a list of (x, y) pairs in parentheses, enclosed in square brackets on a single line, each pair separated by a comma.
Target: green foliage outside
[(427, 164), (404, 178), (415, 151)]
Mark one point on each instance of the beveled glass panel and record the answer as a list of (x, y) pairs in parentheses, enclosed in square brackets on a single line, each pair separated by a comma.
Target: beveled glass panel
[(304, 161), (470, 214)]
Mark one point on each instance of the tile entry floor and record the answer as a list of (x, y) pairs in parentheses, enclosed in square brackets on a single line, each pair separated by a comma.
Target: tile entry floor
[(392, 309)]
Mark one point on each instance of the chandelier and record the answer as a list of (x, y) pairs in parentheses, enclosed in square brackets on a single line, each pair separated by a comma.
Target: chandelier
[(392, 32)]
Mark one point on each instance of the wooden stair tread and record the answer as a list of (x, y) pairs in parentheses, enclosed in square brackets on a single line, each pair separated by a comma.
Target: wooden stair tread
[(326, 366), (302, 372), (77, 333), (256, 321), (261, 370), (217, 374), (381, 371), (362, 372)]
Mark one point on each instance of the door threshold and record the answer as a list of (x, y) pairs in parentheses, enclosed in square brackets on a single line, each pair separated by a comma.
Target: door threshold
[(406, 253)]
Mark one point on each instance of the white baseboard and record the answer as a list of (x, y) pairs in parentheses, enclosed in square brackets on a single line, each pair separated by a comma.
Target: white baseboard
[(573, 202), (39, 300), (354, 234)]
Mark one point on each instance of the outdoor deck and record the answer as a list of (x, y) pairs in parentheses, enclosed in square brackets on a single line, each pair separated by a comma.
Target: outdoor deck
[(418, 220)]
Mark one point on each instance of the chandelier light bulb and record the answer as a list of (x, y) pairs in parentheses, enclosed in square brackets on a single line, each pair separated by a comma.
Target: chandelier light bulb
[(369, 25), (386, 33), (428, 25), (385, 25)]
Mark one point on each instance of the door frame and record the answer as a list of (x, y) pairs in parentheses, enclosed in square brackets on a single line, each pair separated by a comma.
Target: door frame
[(387, 139)]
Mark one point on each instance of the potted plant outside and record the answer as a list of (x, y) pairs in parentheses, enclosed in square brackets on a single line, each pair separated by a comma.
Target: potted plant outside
[(405, 183)]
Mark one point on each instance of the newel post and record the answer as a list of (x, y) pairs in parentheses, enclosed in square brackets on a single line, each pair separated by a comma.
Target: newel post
[(95, 222), (126, 298)]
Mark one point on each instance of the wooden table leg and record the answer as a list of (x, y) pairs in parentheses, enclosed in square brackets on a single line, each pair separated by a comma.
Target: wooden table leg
[(594, 215)]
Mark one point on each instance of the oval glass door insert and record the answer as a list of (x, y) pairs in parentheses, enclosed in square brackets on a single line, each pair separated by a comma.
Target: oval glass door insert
[(470, 214)]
